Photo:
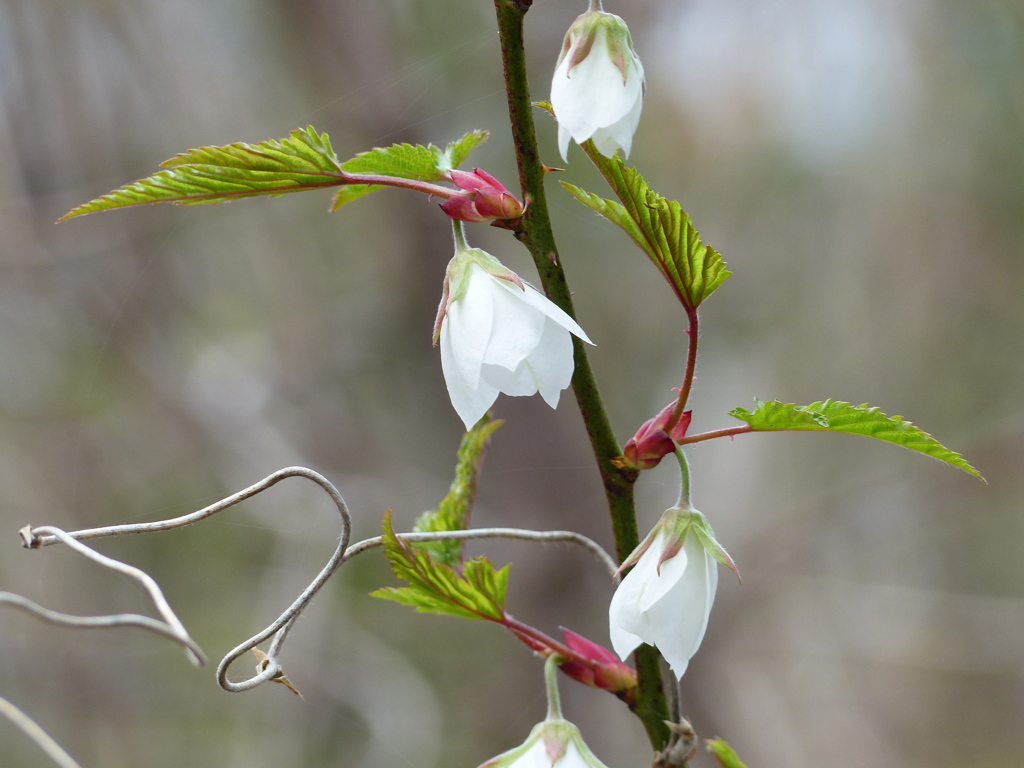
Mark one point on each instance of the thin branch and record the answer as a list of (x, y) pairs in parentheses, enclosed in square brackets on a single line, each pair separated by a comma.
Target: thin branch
[(498, 533), (31, 729), (100, 622), (33, 541), (173, 627)]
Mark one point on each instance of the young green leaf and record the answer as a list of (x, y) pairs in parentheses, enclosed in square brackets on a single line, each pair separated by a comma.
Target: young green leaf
[(456, 153), (406, 161), (478, 593), (453, 512), (659, 227), (725, 754), (836, 416), (209, 175)]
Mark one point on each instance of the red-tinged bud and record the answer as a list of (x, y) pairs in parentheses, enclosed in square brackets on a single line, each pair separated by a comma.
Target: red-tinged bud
[(652, 442), (484, 198), (603, 670)]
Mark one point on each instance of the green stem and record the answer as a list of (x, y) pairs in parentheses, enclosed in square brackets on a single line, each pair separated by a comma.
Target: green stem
[(684, 481), (535, 233), (551, 682), (459, 233)]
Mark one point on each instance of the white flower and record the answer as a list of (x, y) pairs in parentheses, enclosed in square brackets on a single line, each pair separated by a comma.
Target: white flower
[(597, 90), (554, 743), (499, 334), (667, 597)]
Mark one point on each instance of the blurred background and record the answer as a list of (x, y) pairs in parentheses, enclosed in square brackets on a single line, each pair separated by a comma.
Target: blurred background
[(859, 164)]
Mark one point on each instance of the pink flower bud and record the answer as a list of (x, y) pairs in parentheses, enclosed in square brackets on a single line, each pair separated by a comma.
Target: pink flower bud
[(652, 443), (604, 670), (484, 198)]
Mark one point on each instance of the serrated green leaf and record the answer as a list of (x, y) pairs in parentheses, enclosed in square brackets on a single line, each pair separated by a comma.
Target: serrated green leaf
[(659, 227), (837, 416), (725, 754), (453, 512), (350, 192), (210, 175), (406, 161), (477, 593)]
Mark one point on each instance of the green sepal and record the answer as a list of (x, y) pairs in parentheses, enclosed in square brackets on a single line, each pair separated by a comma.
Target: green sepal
[(209, 175), (477, 593), (837, 416), (452, 514), (658, 226), (725, 754), (406, 161)]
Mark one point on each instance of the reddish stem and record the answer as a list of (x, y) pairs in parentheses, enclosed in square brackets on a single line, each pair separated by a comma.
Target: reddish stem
[(729, 432), (434, 190), (691, 367), (534, 638)]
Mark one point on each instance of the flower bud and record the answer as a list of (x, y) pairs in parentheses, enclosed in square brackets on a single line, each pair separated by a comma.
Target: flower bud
[(484, 198), (604, 670), (652, 443)]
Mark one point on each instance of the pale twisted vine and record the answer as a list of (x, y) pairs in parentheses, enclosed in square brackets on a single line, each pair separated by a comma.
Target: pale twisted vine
[(270, 667)]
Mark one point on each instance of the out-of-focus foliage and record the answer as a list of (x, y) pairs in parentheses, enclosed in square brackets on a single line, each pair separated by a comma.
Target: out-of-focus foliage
[(860, 162)]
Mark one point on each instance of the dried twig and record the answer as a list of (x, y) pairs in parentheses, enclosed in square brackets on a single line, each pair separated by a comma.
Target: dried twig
[(498, 533), (38, 735), (170, 627), (269, 668)]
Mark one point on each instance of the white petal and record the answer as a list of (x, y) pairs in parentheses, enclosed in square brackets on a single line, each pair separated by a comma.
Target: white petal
[(623, 611), (516, 325), (563, 142), (543, 304), (518, 383), (619, 135), (678, 621), (535, 757), (572, 757), (470, 402), (548, 369), (469, 321), (660, 584), (552, 362)]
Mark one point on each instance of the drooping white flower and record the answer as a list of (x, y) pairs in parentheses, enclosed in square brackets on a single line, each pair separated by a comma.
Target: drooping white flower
[(553, 743), (597, 90), (499, 334), (667, 597)]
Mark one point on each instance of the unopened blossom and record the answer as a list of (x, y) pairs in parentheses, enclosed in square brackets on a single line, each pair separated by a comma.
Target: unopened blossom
[(654, 440), (499, 334), (597, 90), (601, 670), (666, 599), (484, 198)]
